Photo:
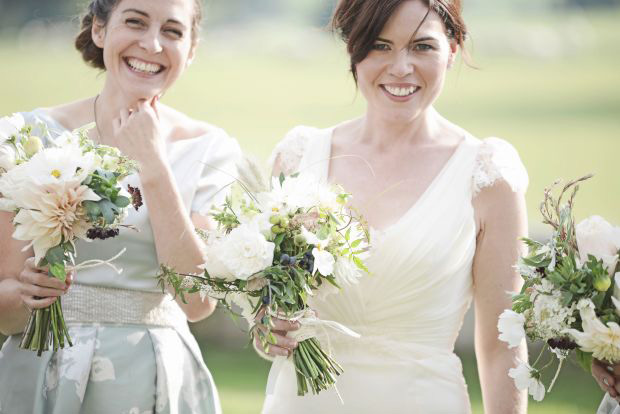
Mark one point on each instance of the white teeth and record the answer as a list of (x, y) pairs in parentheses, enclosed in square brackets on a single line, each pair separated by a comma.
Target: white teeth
[(396, 91), (141, 66)]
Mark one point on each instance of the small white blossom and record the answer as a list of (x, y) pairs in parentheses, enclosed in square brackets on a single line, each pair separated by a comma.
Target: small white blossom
[(511, 328), (525, 379), (549, 317), (7, 157), (10, 125)]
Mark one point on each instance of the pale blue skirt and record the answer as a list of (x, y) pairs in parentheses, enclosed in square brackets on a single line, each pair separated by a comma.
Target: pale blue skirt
[(111, 368)]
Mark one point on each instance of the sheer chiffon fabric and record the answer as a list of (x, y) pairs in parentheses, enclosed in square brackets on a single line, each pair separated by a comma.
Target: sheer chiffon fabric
[(410, 309)]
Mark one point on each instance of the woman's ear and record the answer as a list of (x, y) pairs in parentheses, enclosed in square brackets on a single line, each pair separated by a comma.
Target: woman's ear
[(98, 33)]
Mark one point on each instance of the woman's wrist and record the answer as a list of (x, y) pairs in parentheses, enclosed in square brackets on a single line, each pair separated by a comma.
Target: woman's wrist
[(154, 171)]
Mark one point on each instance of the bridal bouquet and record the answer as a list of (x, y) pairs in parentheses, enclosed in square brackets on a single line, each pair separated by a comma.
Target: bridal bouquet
[(61, 193), (275, 249), (571, 296)]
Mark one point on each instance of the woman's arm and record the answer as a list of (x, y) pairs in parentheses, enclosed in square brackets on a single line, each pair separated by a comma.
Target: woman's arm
[(502, 219), (21, 281), (177, 244), (13, 314)]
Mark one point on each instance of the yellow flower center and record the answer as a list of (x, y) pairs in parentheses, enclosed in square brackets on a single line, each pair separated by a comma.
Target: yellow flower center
[(56, 173)]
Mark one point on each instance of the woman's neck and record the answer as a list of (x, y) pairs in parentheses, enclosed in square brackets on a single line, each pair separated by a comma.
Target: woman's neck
[(383, 132)]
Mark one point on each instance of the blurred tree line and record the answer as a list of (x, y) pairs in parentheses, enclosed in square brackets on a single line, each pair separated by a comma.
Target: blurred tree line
[(15, 13)]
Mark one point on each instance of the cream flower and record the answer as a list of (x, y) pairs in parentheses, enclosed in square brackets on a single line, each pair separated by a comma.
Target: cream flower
[(10, 125), (524, 377), (239, 254), (511, 328), (603, 341), (52, 214), (596, 237)]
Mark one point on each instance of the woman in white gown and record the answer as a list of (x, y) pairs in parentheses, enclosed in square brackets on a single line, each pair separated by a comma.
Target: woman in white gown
[(446, 211)]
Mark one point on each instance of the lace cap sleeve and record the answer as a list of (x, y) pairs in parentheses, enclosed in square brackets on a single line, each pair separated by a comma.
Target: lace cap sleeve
[(498, 160), (290, 150)]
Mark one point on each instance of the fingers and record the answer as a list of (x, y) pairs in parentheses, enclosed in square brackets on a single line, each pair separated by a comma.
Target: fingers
[(154, 105), (272, 349), (605, 379), (124, 116), (31, 266), (33, 303), (70, 277), (282, 325)]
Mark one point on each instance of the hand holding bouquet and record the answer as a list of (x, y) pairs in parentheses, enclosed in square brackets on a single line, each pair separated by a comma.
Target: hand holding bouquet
[(67, 191), (273, 251), (571, 296)]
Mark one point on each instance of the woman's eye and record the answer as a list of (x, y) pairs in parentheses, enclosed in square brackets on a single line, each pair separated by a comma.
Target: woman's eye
[(134, 22), (174, 32), (423, 47), (380, 46)]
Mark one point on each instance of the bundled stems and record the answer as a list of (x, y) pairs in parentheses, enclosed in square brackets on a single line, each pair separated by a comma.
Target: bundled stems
[(46, 326), (315, 369)]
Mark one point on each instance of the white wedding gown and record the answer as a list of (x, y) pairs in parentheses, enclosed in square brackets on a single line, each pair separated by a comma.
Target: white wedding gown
[(410, 310)]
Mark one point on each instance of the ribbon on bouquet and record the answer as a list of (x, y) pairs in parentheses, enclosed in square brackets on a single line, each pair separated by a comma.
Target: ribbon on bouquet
[(87, 264), (310, 325)]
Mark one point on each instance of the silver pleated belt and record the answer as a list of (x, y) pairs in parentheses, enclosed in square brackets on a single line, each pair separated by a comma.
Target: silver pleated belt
[(97, 304)]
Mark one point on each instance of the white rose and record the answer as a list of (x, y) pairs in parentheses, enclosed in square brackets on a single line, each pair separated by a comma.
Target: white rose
[(10, 125), (511, 328), (240, 254), (7, 157), (597, 237)]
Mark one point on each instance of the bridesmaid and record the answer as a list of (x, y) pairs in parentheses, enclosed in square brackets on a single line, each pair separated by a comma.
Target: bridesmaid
[(446, 211), (133, 351)]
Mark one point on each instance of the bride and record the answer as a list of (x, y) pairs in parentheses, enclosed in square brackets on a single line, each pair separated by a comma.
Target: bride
[(446, 211)]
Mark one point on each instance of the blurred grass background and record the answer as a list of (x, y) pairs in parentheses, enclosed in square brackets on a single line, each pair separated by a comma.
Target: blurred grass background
[(547, 81)]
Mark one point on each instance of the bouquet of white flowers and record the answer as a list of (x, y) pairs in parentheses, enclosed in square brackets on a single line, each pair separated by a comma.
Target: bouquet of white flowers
[(571, 296), (275, 249), (61, 193)]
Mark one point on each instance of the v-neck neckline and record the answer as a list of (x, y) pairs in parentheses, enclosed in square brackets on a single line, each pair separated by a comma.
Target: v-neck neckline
[(446, 166)]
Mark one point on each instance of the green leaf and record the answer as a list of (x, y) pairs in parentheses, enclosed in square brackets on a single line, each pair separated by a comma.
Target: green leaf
[(58, 271), (122, 201), (356, 243), (107, 210), (92, 209), (584, 359), (281, 178), (55, 255)]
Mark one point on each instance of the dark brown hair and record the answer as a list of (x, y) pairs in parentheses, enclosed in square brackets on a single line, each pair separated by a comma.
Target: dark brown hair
[(101, 10), (360, 22)]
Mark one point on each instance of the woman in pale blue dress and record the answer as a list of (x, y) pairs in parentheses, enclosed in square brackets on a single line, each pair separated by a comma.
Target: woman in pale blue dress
[(132, 350)]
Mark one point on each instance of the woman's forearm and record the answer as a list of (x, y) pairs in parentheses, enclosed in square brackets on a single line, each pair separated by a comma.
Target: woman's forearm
[(13, 314), (499, 394), (176, 241)]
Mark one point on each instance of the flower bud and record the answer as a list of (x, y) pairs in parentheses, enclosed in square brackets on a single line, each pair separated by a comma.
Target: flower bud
[(299, 240), (32, 145), (275, 219), (602, 283), (275, 229)]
